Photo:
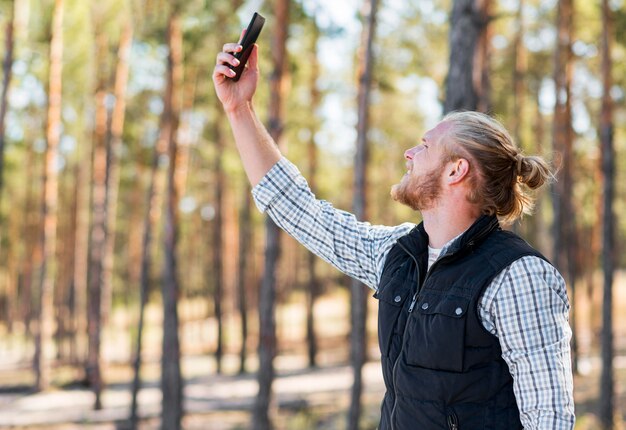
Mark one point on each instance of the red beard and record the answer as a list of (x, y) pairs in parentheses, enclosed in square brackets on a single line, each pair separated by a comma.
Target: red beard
[(419, 193)]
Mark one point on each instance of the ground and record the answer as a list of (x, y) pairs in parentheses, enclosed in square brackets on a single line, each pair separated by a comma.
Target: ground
[(306, 398)]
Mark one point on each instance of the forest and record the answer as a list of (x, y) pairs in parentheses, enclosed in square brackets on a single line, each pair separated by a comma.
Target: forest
[(140, 288)]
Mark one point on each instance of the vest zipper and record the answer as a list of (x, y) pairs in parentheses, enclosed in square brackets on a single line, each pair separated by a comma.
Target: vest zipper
[(395, 364), (453, 421), (413, 302), (428, 272)]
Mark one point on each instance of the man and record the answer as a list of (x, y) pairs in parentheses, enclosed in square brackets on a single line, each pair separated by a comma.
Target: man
[(473, 322)]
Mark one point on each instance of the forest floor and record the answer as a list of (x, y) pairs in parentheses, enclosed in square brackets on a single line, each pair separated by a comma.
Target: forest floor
[(305, 398)]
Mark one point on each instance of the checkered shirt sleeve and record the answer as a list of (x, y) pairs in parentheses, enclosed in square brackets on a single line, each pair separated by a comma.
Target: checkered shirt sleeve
[(355, 248), (526, 307)]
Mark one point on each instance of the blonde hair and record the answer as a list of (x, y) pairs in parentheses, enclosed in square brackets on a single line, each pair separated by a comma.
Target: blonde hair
[(503, 176)]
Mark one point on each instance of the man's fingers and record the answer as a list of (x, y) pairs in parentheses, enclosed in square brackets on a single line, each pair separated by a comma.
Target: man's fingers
[(226, 58), (231, 47), (223, 70)]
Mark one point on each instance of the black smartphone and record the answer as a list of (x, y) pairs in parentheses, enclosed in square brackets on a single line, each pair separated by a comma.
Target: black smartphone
[(249, 38)]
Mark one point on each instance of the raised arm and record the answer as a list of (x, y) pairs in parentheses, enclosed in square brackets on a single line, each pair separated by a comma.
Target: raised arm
[(354, 247), (256, 147)]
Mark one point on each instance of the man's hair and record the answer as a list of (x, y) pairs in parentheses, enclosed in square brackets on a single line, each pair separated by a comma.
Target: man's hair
[(502, 176)]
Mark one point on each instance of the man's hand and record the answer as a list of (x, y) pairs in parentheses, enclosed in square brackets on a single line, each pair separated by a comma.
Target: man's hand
[(256, 148), (235, 95)]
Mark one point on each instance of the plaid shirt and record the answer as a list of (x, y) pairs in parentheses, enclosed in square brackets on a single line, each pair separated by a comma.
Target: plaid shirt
[(525, 306)]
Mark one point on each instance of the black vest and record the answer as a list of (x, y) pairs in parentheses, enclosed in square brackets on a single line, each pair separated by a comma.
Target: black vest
[(442, 368)]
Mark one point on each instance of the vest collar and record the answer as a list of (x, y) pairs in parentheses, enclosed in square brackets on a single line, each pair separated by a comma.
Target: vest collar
[(417, 239), (477, 232)]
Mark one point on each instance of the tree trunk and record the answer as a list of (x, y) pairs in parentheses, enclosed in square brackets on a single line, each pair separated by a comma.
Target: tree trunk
[(150, 223), (594, 261), (358, 339), (7, 66), (519, 72), (542, 229), (10, 307), (244, 262), (267, 295), (564, 231), (243, 272), (608, 222), (32, 245), (529, 228), (314, 284), (113, 150), (44, 343), (267, 330), (14, 227), (216, 271), (468, 25), (98, 232), (482, 58), (171, 378), (65, 292), (81, 252)]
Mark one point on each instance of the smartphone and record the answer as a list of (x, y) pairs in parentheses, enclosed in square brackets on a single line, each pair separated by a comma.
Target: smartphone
[(249, 38)]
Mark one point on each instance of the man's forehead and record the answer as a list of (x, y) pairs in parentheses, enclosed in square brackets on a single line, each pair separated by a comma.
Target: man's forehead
[(438, 131)]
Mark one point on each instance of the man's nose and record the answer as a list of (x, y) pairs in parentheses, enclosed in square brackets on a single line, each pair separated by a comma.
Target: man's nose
[(409, 153)]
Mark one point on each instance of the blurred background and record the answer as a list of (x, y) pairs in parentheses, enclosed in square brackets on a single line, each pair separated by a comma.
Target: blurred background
[(139, 286)]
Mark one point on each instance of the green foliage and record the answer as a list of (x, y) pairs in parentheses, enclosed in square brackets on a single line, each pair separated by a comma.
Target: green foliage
[(620, 23), (409, 75)]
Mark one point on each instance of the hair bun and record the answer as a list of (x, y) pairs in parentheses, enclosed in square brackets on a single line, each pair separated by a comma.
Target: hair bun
[(519, 160)]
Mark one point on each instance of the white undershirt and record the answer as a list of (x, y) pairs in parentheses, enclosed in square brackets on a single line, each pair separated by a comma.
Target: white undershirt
[(433, 255)]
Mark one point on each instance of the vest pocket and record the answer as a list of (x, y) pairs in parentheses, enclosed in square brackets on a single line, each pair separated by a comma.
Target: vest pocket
[(391, 298), (436, 332)]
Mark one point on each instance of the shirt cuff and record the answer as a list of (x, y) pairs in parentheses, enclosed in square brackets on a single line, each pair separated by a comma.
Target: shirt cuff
[(281, 176)]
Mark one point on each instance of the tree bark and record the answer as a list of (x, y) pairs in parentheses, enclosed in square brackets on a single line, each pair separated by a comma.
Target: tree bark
[(313, 289), (66, 257), (519, 72), (150, 223), (542, 229), (44, 346), (113, 150), (7, 73), (358, 339), (171, 378), (32, 249), (464, 83), (608, 222), (156, 190), (98, 231), (564, 231), (217, 265), (81, 253), (482, 58), (267, 295), (243, 272)]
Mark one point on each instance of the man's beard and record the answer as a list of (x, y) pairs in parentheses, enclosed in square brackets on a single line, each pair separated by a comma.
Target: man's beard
[(419, 193)]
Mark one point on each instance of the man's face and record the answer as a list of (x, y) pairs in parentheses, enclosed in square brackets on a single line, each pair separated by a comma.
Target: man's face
[(421, 186)]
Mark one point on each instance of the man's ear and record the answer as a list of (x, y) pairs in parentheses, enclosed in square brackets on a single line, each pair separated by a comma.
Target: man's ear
[(457, 170)]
